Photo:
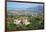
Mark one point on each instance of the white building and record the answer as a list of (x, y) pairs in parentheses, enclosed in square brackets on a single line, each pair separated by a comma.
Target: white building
[(22, 20)]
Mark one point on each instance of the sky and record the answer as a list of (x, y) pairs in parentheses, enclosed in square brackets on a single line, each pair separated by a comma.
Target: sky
[(23, 6)]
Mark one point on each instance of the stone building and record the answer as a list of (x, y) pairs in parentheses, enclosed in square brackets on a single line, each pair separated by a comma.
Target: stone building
[(21, 20)]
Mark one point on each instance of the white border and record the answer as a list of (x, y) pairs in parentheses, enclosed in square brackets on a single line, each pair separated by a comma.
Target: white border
[(29, 0), (2, 15)]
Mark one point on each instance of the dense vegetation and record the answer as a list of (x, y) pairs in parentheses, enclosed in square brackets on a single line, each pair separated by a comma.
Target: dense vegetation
[(35, 22)]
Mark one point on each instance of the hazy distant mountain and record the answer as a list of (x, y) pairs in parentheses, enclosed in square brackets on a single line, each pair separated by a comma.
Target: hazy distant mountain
[(27, 11), (24, 12)]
